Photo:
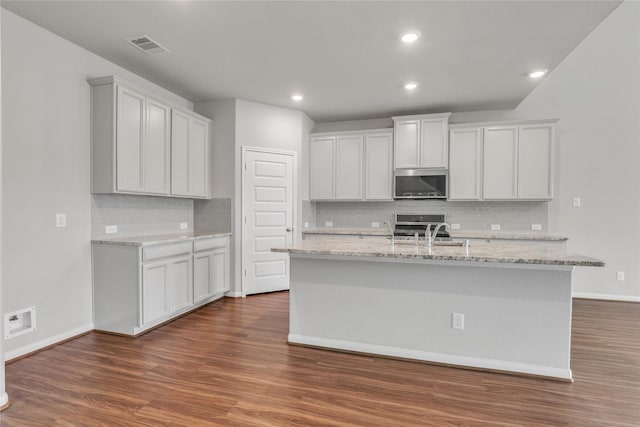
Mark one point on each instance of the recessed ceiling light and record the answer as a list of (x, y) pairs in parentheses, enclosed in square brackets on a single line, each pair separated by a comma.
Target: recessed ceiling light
[(297, 97), (410, 36), (537, 74), (411, 86)]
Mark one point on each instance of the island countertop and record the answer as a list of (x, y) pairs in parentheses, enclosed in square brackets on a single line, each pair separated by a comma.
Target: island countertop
[(456, 234), (501, 252), (158, 239)]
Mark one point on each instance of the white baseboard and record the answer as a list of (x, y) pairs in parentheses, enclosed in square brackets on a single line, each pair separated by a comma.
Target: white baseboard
[(448, 359), (233, 294), (30, 348), (608, 297)]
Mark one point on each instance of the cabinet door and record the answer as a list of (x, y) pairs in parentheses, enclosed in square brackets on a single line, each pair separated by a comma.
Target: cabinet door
[(179, 153), (130, 117), (433, 143), (407, 143), (465, 164), (378, 151), (500, 163), (534, 162), (156, 148), (179, 283), (198, 158), (220, 278), (154, 291), (321, 168), (349, 167), (203, 267)]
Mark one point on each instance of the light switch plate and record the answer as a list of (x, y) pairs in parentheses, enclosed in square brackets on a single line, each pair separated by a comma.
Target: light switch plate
[(457, 320), (184, 225), (328, 223), (577, 202), (495, 227), (111, 229), (306, 225), (61, 220), (455, 226), (536, 227), (375, 225), (620, 276)]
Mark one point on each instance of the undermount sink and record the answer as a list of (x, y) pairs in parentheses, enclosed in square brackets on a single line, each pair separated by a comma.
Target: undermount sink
[(434, 243)]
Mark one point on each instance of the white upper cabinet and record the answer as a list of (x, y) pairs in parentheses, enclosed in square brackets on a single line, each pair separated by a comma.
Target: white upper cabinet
[(349, 162), (500, 163), (535, 166), (353, 165), (465, 164), (378, 154), (421, 141), (509, 161), (135, 149), (322, 168), (189, 155)]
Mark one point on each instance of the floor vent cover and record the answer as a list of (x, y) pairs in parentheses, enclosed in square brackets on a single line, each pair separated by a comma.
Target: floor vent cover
[(148, 45)]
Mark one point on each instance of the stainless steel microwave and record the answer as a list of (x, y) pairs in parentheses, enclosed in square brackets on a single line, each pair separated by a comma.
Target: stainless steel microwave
[(420, 184)]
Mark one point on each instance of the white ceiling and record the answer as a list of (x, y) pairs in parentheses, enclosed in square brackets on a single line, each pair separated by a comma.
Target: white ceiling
[(345, 57)]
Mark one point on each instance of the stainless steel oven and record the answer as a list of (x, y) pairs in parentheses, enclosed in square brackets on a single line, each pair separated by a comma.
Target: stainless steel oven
[(420, 184)]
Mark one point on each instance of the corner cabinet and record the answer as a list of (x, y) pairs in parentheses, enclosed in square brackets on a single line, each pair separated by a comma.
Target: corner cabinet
[(137, 288), (351, 166), (140, 144), (421, 141), (501, 161)]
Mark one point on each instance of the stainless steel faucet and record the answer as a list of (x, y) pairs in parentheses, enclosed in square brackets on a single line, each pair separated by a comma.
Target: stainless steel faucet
[(393, 237), (428, 240), (435, 232)]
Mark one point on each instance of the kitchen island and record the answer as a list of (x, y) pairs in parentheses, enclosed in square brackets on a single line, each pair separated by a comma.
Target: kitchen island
[(494, 306)]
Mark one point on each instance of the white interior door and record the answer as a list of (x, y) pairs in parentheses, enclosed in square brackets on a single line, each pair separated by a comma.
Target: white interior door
[(267, 215)]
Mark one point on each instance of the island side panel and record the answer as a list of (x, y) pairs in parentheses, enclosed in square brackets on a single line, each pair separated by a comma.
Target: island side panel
[(517, 318)]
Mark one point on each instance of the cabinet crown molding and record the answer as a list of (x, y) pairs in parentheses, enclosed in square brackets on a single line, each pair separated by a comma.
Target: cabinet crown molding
[(352, 132), (434, 116), (502, 123)]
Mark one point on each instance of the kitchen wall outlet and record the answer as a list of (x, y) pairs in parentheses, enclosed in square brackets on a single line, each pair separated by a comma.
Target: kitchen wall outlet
[(184, 225), (19, 322), (328, 223), (455, 226), (620, 276), (536, 227), (111, 229), (495, 227), (306, 225), (457, 320), (61, 220), (577, 202), (375, 225)]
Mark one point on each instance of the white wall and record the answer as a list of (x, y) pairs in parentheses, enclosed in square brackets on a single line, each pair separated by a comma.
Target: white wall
[(4, 399), (45, 170), (595, 94)]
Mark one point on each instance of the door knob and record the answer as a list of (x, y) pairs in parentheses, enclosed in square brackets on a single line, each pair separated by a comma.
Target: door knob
[(289, 230)]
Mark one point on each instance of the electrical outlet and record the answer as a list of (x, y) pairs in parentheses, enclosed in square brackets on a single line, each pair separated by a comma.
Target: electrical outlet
[(455, 226), (375, 225), (495, 227), (536, 227), (111, 229), (620, 276), (184, 225), (577, 202), (61, 220), (457, 320), (328, 223), (306, 225)]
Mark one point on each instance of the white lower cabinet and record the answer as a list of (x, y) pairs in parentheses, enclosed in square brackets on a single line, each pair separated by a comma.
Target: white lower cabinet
[(210, 268), (139, 287)]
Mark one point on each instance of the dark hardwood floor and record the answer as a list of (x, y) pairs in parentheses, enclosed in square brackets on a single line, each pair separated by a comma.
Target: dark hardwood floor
[(229, 364)]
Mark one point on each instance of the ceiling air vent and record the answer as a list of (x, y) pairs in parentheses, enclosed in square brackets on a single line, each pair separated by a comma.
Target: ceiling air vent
[(147, 45)]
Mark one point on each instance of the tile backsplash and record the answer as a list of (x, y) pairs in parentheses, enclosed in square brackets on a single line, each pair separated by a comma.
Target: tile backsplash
[(139, 215), (477, 216), (212, 215)]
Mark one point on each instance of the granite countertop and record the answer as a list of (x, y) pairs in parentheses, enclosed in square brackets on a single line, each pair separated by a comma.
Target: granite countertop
[(158, 239), (456, 234), (497, 252)]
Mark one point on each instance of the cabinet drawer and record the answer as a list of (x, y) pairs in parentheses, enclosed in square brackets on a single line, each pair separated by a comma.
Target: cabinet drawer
[(212, 243), (163, 251)]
